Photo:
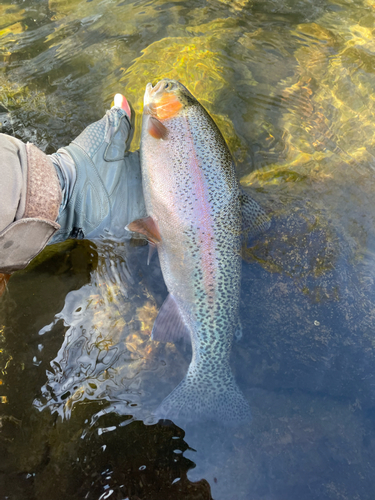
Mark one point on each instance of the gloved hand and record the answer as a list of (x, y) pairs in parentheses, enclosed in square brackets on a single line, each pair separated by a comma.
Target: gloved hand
[(101, 190), (102, 185)]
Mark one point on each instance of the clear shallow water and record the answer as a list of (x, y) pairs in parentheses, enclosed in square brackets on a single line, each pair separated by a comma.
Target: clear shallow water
[(291, 85)]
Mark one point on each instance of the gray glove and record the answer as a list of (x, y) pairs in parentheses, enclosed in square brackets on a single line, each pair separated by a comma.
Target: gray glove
[(101, 182)]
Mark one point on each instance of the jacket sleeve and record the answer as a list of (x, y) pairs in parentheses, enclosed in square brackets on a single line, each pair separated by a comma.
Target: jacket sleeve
[(30, 198)]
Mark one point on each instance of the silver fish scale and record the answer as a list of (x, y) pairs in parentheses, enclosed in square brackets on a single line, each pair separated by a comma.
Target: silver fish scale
[(199, 255)]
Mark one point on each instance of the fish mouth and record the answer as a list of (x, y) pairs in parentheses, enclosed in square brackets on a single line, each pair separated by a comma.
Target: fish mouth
[(152, 93), (148, 91)]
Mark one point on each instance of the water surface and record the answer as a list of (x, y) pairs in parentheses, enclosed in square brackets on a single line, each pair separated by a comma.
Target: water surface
[(291, 85)]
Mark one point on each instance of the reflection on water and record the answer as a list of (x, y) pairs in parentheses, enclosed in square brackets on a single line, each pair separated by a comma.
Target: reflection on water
[(291, 85), (107, 354)]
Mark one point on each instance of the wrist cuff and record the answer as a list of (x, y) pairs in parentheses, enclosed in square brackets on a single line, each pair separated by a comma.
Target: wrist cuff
[(43, 196)]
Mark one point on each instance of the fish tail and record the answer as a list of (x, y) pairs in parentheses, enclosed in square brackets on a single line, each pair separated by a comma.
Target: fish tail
[(196, 401)]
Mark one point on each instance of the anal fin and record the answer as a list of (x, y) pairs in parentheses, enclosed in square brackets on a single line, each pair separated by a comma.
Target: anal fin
[(169, 325)]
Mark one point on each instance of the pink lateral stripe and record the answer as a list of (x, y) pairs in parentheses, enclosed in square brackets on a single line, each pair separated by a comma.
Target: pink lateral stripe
[(203, 215)]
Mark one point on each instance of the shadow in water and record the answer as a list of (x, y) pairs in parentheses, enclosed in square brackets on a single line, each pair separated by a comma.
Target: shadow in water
[(117, 459)]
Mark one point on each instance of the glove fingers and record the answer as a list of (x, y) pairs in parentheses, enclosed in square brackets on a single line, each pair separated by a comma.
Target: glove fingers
[(121, 102)]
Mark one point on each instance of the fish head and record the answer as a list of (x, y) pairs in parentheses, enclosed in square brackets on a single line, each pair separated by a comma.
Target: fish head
[(167, 99)]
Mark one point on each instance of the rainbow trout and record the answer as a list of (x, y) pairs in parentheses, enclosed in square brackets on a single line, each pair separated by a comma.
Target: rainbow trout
[(197, 214)]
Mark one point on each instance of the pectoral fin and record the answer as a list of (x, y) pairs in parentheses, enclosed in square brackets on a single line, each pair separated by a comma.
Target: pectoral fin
[(151, 251), (146, 226), (254, 218), (169, 325), (156, 129)]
